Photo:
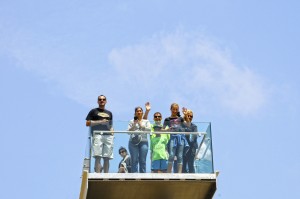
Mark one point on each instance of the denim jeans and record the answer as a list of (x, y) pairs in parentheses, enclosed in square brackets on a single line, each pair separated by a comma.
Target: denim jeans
[(138, 155), (188, 163), (176, 150), (188, 158)]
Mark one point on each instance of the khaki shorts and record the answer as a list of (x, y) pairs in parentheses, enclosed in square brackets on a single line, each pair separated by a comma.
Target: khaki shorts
[(103, 146)]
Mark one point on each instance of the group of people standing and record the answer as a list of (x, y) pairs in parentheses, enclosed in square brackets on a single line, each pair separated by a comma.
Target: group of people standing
[(172, 147)]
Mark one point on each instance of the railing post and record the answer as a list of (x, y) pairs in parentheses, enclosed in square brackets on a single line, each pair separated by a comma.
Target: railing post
[(90, 149), (211, 148)]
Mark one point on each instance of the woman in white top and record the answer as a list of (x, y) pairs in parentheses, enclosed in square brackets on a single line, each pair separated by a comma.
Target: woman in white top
[(138, 143)]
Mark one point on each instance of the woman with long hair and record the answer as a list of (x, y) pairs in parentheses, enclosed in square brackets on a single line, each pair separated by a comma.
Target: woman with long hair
[(138, 143), (177, 141)]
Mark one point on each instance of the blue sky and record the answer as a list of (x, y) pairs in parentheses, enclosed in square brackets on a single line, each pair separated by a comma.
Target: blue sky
[(234, 63)]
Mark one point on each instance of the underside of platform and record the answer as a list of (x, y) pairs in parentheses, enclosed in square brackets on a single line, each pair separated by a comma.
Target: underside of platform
[(150, 186)]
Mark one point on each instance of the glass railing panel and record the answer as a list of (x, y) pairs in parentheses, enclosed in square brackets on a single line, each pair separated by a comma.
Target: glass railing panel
[(204, 157), (203, 161), (87, 154)]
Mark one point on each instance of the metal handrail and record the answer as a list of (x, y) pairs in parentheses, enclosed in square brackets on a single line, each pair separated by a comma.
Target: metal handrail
[(149, 132)]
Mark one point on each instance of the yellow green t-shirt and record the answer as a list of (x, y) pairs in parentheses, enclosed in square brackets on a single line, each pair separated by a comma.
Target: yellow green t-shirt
[(158, 146)]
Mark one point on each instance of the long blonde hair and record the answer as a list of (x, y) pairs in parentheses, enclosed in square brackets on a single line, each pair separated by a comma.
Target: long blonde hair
[(186, 113)]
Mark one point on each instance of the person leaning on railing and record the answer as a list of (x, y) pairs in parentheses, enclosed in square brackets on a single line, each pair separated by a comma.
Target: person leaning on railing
[(188, 126), (138, 143), (101, 119)]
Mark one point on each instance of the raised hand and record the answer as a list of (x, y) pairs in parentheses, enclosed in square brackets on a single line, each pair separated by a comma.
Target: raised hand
[(148, 106), (184, 110)]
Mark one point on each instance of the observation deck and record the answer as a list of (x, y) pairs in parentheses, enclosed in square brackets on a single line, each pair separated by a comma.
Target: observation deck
[(113, 185)]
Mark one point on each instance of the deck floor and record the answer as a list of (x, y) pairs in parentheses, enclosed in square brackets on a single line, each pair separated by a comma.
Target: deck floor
[(151, 186)]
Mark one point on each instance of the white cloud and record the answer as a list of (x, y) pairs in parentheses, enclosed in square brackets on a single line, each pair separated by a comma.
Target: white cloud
[(190, 69), (183, 67), (58, 64)]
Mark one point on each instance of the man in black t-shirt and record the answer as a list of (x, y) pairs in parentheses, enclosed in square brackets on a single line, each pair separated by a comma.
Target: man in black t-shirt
[(100, 119)]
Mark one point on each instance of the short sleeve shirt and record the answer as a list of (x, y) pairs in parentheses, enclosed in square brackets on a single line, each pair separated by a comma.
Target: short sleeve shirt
[(158, 147), (173, 123), (100, 114)]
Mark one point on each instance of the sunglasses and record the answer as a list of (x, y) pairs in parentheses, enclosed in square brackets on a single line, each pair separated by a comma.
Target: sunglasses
[(101, 99), (122, 152), (190, 116), (157, 116)]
